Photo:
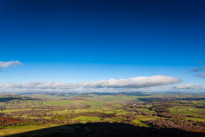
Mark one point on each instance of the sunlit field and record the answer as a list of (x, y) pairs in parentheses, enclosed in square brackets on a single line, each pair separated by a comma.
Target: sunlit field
[(22, 113)]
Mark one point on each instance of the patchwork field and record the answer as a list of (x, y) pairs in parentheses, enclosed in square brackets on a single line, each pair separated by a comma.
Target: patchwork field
[(28, 112)]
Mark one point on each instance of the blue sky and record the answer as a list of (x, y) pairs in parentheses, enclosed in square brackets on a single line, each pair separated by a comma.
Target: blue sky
[(78, 41)]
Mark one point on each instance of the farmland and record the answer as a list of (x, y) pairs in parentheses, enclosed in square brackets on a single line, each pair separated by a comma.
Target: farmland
[(27, 112)]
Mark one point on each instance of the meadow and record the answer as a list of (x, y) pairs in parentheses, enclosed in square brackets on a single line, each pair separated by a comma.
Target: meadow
[(28, 112)]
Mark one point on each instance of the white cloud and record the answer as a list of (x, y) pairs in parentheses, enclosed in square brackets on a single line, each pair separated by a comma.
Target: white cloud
[(105, 85), (137, 82), (9, 64)]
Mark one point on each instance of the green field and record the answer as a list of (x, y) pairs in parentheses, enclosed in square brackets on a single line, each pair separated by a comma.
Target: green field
[(21, 113)]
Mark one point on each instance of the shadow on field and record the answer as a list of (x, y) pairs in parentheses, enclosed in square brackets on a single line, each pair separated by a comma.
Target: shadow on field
[(107, 130), (8, 99), (118, 93)]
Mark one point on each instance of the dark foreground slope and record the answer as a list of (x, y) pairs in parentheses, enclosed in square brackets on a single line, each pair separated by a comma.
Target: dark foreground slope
[(107, 130)]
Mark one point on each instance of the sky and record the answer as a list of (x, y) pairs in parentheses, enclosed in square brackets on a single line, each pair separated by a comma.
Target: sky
[(102, 45)]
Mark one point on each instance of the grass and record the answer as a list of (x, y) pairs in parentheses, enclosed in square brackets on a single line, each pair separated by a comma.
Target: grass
[(13, 110), (109, 104), (139, 123), (85, 119), (187, 110), (145, 118), (195, 119), (87, 110), (21, 129), (57, 102)]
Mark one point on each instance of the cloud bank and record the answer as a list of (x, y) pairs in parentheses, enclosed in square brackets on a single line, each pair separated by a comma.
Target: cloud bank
[(105, 85), (137, 82), (9, 64), (191, 86)]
